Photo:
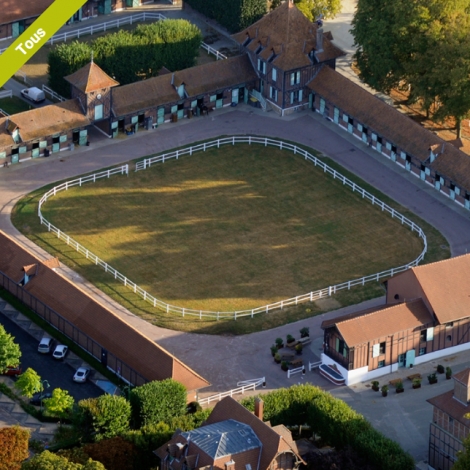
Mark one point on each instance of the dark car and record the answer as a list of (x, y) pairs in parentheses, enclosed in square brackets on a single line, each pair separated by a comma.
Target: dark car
[(12, 371), (38, 397)]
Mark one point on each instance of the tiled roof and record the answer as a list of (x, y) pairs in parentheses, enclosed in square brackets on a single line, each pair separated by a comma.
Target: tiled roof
[(91, 78), (14, 10), (216, 75), (31, 269), (145, 94), (290, 35), (111, 332), (453, 164), (42, 122), (463, 377), (373, 113), (454, 408), (223, 438), (446, 286), (52, 263), (370, 326), (273, 442)]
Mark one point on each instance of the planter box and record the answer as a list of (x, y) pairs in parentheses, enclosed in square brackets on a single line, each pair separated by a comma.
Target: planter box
[(401, 390), (417, 386)]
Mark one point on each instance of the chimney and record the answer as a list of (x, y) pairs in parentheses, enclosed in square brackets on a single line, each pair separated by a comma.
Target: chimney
[(230, 465), (259, 408), (319, 45)]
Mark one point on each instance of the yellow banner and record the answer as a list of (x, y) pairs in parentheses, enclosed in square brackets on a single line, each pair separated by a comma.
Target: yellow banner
[(36, 36)]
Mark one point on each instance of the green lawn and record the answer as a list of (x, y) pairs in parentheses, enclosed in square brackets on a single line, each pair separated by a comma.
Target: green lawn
[(14, 105), (224, 230)]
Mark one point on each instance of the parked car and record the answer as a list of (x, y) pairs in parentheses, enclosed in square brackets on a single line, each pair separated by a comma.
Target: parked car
[(81, 375), (39, 397), (34, 94), (60, 351), (46, 345), (13, 371)]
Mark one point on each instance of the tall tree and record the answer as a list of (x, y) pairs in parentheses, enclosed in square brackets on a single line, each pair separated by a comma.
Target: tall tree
[(13, 447), (314, 9), (60, 404), (9, 351), (29, 383)]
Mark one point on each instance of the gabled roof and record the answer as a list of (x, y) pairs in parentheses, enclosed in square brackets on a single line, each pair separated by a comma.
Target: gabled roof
[(91, 78), (273, 441), (102, 325), (42, 122), (454, 408), (370, 326), (446, 285), (216, 75), (224, 438), (14, 10), (145, 94), (463, 377), (290, 35)]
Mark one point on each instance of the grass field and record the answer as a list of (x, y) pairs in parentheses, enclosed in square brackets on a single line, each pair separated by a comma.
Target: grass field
[(14, 105), (227, 230)]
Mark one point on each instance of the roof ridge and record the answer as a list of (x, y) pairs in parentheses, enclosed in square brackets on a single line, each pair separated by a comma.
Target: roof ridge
[(452, 258)]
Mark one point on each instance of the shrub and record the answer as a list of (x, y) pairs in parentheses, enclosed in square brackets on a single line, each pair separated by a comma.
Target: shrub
[(284, 366), (115, 453), (448, 372), (305, 332), (375, 385), (440, 369), (279, 343), (432, 378), (290, 339), (399, 386), (274, 350), (13, 447)]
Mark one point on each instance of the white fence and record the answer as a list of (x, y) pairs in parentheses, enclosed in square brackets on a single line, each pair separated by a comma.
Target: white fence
[(23, 76), (6, 94), (309, 297), (298, 370), (211, 50), (50, 92), (245, 386)]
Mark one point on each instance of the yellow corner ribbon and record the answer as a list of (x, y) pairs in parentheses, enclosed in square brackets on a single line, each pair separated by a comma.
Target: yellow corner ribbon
[(36, 36)]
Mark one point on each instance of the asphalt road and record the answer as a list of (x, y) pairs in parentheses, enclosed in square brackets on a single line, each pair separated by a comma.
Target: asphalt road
[(59, 374)]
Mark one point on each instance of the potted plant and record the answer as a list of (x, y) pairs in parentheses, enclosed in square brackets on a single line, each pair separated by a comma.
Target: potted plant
[(284, 366), (305, 332), (448, 373), (279, 343), (432, 378), (290, 339), (384, 390), (440, 369), (416, 383), (399, 387), (277, 358), (273, 350), (375, 385), (298, 348)]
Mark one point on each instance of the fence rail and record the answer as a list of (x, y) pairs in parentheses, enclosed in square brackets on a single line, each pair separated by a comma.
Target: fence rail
[(52, 93), (211, 50), (6, 94), (248, 385), (309, 297)]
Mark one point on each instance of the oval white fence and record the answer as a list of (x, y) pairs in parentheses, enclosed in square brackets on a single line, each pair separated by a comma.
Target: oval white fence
[(309, 297)]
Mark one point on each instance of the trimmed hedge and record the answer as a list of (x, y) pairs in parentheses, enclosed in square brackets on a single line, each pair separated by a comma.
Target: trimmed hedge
[(337, 424), (234, 15), (129, 56)]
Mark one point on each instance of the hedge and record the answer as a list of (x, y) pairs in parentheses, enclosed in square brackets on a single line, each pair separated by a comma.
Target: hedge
[(337, 424)]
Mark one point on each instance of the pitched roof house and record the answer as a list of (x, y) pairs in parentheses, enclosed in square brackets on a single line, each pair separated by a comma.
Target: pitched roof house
[(449, 426), (287, 51), (426, 316), (96, 329), (232, 438)]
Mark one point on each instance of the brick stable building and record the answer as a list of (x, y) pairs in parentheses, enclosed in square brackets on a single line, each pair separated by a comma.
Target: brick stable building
[(449, 426), (426, 316)]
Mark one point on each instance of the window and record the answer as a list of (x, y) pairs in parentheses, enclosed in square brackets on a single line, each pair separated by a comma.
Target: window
[(382, 348), (295, 96), (449, 337), (422, 351), (376, 350), (295, 78), (98, 112), (274, 74), (450, 325), (273, 93), (381, 364), (422, 335), (261, 66)]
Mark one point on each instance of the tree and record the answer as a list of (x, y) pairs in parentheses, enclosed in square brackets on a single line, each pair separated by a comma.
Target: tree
[(312, 9), (158, 401), (29, 383), (59, 404), (9, 351), (463, 457), (13, 447), (48, 461), (115, 453), (106, 416)]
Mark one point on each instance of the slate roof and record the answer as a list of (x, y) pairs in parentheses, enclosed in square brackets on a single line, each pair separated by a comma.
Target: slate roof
[(42, 122), (110, 331), (223, 438), (216, 75), (447, 287), (288, 34), (383, 322), (91, 78), (14, 10)]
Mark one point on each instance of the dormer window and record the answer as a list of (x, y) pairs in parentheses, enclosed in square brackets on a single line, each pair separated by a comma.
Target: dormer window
[(247, 40), (272, 56)]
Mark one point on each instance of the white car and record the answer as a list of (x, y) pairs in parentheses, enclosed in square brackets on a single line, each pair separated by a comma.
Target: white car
[(46, 345), (60, 351), (81, 375)]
